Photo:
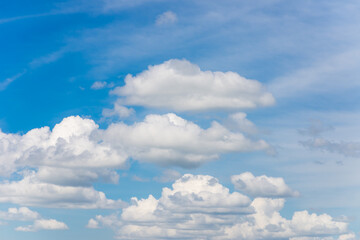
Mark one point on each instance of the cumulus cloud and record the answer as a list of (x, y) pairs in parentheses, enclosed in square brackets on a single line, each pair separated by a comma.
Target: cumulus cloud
[(30, 191), (262, 186), (43, 224), (200, 206), (19, 214), (72, 144), (118, 110), (76, 152), (168, 17), (171, 140), (25, 214), (181, 86), (68, 159), (239, 122)]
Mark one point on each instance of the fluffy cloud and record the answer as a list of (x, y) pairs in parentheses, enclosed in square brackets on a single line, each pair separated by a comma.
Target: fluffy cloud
[(68, 159), (72, 144), (25, 214), (239, 121), (101, 84), (30, 191), (76, 152), (262, 186), (166, 18), (43, 224), (181, 86), (118, 111), (171, 140), (19, 214), (200, 206)]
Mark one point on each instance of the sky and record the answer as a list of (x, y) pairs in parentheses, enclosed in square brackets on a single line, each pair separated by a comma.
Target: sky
[(179, 119)]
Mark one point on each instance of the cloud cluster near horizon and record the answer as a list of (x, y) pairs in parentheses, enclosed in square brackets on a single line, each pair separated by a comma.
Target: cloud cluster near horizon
[(198, 205)]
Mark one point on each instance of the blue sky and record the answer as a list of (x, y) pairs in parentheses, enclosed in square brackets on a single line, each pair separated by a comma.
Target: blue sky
[(155, 119)]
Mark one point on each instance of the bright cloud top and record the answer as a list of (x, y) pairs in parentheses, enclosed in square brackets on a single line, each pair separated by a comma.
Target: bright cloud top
[(181, 86), (25, 214), (262, 186), (200, 206)]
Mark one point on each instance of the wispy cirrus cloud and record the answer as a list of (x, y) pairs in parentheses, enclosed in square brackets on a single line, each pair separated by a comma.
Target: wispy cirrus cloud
[(4, 84)]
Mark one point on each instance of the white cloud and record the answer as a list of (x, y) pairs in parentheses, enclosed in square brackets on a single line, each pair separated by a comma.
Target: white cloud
[(168, 17), (25, 214), (72, 144), (171, 140), (239, 122), (98, 85), (181, 86), (101, 84), (200, 206), (8, 81), (119, 111), (31, 192), (262, 186), (76, 152), (19, 214), (43, 224), (68, 159)]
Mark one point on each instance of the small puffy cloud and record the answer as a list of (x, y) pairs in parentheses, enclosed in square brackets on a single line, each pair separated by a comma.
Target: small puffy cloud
[(119, 111), (32, 192), (262, 186), (239, 122), (200, 206), (39, 223), (181, 86), (19, 214), (43, 224), (92, 224), (101, 84), (348, 149), (171, 140), (168, 17)]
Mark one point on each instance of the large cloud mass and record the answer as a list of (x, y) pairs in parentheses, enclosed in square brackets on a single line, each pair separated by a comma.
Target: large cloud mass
[(171, 140), (181, 86), (200, 206), (64, 162)]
